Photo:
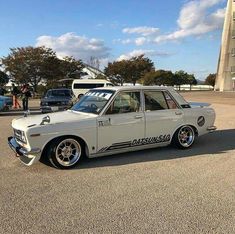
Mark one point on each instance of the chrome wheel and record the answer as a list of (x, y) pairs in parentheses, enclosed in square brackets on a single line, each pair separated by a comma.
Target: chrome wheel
[(186, 136), (68, 152)]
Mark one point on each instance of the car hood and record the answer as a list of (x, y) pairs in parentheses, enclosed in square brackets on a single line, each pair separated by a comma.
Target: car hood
[(69, 116)]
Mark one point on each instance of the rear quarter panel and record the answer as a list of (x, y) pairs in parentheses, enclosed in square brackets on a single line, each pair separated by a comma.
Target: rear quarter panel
[(200, 118)]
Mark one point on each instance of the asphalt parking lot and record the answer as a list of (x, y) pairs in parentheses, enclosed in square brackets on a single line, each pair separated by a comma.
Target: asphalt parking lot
[(153, 191)]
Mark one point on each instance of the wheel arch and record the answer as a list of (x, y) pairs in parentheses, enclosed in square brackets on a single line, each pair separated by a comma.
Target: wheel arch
[(83, 142), (191, 125)]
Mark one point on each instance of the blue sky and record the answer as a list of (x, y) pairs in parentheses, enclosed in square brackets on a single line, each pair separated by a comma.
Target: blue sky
[(174, 34)]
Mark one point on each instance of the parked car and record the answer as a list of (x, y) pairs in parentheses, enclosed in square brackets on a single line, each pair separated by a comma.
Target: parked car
[(111, 120), (81, 86), (5, 103), (57, 100)]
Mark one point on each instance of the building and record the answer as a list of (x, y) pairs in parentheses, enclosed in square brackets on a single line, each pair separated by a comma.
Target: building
[(225, 80)]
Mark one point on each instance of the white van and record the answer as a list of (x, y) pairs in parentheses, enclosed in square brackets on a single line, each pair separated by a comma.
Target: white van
[(81, 86)]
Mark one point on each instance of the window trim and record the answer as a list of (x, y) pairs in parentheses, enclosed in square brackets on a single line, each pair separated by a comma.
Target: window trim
[(176, 103), (123, 91), (162, 91)]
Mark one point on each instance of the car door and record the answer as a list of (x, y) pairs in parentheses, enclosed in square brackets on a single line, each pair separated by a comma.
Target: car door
[(122, 122), (163, 116)]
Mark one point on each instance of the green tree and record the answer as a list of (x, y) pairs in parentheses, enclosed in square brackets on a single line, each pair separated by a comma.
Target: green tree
[(4, 78), (117, 72), (159, 77), (210, 80), (70, 67), (130, 70), (191, 80), (180, 77), (36, 64), (27, 64), (138, 67), (101, 77), (148, 78)]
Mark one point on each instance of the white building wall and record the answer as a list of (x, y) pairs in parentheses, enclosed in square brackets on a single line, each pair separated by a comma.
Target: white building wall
[(226, 61)]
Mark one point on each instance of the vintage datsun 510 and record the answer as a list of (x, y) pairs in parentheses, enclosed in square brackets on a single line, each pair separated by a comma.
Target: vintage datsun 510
[(108, 121)]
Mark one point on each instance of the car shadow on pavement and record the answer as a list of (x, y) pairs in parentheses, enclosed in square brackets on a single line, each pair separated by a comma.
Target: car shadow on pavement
[(217, 142)]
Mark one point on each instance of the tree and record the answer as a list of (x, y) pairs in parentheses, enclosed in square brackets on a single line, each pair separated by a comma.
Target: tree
[(180, 77), (101, 77), (70, 67), (27, 65), (159, 77), (138, 67), (130, 70), (117, 72), (210, 80), (39, 64), (191, 80), (149, 78), (4, 78)]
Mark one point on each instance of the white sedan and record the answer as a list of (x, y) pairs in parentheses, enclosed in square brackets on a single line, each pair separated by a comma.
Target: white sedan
[(108, 121)]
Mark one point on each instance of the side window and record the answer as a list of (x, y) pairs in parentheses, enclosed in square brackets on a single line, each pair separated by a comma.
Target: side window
[(154, 100), (125, 102), (170, 102)]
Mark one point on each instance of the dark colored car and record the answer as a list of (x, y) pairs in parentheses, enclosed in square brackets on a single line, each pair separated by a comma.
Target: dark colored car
[(5, 102), (57, 100)]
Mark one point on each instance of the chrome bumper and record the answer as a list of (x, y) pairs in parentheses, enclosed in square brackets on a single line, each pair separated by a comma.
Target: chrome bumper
[(211, 129), (48, 109), (27, 157)]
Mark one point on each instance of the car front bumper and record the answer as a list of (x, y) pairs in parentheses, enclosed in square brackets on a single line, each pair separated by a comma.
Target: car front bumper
[(47, 109), (28, 157)]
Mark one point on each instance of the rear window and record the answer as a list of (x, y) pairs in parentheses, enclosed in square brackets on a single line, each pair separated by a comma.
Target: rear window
[(87, 85)]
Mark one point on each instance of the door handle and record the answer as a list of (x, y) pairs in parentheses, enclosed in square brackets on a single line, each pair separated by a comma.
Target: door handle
[(178, 113), (138, 117)]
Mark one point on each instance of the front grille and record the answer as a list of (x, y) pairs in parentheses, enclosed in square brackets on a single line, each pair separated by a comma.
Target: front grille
[(54, 103)]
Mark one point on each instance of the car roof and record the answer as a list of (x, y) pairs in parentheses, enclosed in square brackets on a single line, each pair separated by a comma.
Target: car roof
[(59, 89), (138, 87), (173, 92)]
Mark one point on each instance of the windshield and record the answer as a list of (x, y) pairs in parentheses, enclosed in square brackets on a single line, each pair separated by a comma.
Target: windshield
[(59, 93), (93, 101)]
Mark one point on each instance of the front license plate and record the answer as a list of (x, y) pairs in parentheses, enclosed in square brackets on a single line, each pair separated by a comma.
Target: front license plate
[(54, 108)]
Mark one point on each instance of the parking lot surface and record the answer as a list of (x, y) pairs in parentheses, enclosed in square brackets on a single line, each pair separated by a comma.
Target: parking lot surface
[(153, 191)]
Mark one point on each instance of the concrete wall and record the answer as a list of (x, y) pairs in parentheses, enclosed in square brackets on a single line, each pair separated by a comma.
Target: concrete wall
[(226, 61)]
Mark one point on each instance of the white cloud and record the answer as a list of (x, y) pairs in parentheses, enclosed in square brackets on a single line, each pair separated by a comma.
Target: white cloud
[(144, 30), (194, 20), (140, 41), (151, 53), (70, 44), (126, 41)]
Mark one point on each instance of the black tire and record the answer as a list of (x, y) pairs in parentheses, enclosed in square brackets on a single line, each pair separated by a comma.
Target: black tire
[(184, 137), (65, 152)]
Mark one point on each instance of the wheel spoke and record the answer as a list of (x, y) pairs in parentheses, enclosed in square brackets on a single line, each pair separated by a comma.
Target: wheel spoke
[(186, 136), (68, 152)]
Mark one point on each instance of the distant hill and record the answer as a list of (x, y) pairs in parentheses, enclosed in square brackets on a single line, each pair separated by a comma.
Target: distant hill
[(200, 82)]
